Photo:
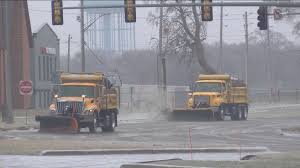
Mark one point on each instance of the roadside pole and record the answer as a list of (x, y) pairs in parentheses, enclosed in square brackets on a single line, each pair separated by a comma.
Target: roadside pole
[(160, 53), (220, 62), (8, 83), (269, 63), (82, 36), (69, 41), (247, 48)]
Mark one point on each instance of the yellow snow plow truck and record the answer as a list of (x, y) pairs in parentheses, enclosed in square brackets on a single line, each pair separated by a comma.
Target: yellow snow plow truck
[(218, 96), (82, 100)]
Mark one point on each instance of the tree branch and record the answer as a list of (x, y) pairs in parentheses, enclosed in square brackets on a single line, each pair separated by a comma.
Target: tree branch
[(197, 21), (185, 26)]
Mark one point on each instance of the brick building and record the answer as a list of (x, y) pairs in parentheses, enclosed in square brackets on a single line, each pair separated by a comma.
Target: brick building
[(20, 51)]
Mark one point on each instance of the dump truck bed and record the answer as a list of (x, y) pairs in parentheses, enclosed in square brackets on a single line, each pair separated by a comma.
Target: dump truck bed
[(239, 92)]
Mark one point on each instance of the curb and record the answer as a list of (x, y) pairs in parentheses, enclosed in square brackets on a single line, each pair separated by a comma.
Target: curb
[(156, 166), (152, 151)]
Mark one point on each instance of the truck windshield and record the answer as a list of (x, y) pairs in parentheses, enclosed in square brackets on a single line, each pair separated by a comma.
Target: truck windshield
[(77, 91), (207, 87)]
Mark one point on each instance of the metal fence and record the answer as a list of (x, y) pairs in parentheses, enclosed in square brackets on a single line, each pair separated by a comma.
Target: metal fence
[(274, 95), (149, 97)]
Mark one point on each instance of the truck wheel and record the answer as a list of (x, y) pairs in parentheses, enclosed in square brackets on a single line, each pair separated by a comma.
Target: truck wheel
[(234, 114), (220, 115), (110, 122), (239, 113), (93, 125), (245, 113)]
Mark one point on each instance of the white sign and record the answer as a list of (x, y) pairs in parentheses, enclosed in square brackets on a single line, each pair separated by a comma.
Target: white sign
[(277, 14), (46, 50)]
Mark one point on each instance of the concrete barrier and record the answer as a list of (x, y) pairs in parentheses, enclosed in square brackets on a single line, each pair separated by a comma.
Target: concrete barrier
[(156, 166)]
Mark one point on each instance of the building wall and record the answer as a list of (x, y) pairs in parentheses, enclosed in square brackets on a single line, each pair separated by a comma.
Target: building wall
[(20, 53), (20, 44), (2, 78), (45, 65), (2, 51)]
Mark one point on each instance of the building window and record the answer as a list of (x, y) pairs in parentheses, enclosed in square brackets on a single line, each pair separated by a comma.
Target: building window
[(44, 68), (55, 63), (44, 99), (40, 99), (49, 98), (40, 70), (51, 67), (47, 67)]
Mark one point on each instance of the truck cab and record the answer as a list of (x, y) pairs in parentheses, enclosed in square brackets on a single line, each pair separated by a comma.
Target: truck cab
[(207, 94)]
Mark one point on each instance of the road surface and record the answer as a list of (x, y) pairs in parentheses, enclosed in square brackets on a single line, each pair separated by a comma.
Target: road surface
[(142, 130)]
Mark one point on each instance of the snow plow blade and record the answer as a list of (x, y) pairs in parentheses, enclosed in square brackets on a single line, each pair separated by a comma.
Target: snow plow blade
[(189, 114), (57, 124)]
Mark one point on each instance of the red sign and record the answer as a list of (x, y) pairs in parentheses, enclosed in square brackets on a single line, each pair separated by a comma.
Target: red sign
[(26, 87)]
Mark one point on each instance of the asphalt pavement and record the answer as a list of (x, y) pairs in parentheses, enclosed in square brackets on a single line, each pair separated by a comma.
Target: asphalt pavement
[(262, 129)]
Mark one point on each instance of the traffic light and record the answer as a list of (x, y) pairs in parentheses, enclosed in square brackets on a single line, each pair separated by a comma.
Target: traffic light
[(57, 12), (130, 11), (207, 11), (263, 21)]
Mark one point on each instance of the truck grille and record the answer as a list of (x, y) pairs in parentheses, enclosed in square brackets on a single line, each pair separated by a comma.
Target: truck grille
[(76, 106), (201, 101)]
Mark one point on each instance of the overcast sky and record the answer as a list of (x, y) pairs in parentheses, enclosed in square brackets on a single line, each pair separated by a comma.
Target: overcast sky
[(40, 13)]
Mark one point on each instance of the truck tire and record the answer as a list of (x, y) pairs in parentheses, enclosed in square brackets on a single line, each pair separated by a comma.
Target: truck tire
[(245, 113), (239, 113), (220, 115), (93, 126), (234, 114), (110, 122)]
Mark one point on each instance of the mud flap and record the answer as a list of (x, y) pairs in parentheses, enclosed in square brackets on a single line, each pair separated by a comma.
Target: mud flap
[(58, 124)]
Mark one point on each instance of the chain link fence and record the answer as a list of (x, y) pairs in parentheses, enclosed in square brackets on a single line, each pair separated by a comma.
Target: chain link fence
[(149, 98)]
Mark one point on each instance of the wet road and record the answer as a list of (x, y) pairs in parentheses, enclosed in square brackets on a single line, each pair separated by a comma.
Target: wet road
[(262, 129)]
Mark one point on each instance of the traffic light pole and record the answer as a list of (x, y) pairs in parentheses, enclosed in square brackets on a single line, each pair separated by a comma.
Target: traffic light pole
[(269, 64), (8, 92), (232, 4)]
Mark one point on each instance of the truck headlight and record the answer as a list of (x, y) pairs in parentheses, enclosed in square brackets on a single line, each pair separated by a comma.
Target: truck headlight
[(87, 112)]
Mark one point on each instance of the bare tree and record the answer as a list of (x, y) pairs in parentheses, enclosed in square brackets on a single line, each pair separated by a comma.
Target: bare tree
[(185, 34), (277, 39)]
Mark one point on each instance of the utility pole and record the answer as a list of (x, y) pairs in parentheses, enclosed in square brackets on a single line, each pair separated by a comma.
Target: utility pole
[(82, 37), (163, 59), (269, 63), (220, 62), (69, 41), (8, 109), (247, 48)]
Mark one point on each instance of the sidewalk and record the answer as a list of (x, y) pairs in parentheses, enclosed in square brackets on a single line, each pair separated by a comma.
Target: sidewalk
[(23, 120)]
